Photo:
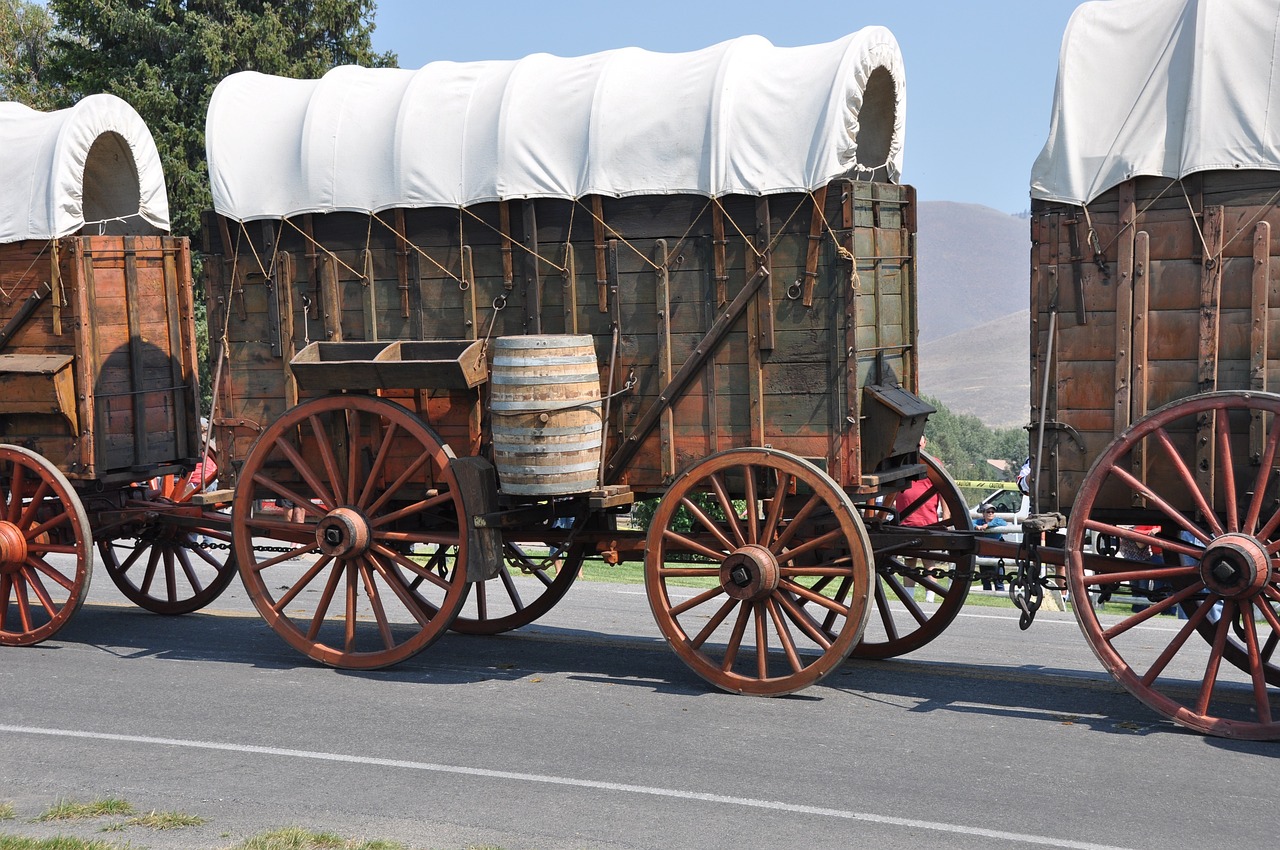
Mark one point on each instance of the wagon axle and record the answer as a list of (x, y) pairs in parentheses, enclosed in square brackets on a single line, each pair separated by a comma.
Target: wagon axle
[(1236, 566), (13, 547)]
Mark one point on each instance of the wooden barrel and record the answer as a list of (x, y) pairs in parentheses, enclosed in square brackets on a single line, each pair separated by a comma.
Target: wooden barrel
[(545, 401)]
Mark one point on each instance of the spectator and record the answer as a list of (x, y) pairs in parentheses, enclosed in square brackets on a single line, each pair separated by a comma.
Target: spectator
[(988, 522), (930, 511)]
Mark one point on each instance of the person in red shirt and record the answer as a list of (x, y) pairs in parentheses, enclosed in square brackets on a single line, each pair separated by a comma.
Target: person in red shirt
[(930, 511)]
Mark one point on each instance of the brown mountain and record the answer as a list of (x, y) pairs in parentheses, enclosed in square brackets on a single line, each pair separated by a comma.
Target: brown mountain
[(974, 297)]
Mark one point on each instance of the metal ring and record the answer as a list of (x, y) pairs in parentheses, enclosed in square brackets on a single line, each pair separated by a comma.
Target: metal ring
[(793, 291), (500, 303)]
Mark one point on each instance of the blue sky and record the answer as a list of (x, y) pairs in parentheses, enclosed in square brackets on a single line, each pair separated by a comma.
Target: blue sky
[(980, 73)]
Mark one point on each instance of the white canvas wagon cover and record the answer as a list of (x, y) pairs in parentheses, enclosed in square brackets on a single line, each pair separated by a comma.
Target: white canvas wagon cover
[(1161, 88), (743, 117), (94, 163)]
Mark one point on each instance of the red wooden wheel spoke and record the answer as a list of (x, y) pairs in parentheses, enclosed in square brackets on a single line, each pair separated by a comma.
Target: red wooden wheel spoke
[(150, 575), (701, 518), (1154, 572), (902, 624), (1250, 525), (695, 601), (1155, 609), (24, 604), (714, 623), (327, 457), (286, 493), (443, 582), (819, 636), (289, 555), (302, 583), (309, 476), (753, 508), (825, 541), (726, 507), (375, 600), (769, 531), (1214, 664), (780, 627), (1262, 702), (17, 486), (439, 538), (1188, 482), (353, 454), (797, 522), (1174, 647), (1160, 503), (735, 638), (1222, 425), (390, 492), (43, 492), (50, 548), (816, 598), (379, 464), (49, 525), (41, 593), (689, 572), (681, 541), (829, 621), (170, 575), (1144, 540), (287, 532), (39, 565), (7, 589), (762, 641), (336, 571), (882, 608), (203, 554), (414, 509)]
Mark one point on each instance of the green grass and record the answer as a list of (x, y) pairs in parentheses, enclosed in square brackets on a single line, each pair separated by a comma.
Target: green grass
[(286, 838), (70, 810), (58, 842), (297, 838), (165, 820)]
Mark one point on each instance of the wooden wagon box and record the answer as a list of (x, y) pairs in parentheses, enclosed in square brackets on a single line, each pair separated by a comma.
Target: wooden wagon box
[(835, 313), (97, 354), (1161, 290)]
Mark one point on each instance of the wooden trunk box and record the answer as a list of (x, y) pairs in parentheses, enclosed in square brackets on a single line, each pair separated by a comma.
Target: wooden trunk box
[(97, 354)]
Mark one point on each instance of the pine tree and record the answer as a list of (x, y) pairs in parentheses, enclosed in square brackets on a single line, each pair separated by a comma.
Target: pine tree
[(166, 56)]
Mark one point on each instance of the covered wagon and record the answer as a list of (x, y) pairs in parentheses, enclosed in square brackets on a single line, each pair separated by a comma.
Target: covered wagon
[(469, 314), (1155, 238), (99, 398)]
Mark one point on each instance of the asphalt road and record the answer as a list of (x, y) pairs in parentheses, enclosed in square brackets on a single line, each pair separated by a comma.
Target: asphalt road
[(585, 731)]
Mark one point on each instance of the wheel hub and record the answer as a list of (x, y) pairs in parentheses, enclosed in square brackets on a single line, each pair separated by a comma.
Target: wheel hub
[(750, 573), (1235, 566), (13, 548), (344, 533)]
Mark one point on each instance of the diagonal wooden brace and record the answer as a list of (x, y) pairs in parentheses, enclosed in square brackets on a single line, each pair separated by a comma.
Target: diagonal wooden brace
[(705, 348)]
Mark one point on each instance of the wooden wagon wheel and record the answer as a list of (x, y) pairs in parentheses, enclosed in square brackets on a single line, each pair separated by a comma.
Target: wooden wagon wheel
[(899, 623), (500, 604), (40, 516), (176, 561), (373, 482), (1218, 561), (784, 568)]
